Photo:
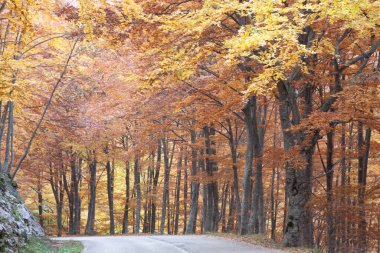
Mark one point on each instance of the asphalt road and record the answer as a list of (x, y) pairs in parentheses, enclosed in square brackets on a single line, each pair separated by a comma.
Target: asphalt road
[(166, 244)]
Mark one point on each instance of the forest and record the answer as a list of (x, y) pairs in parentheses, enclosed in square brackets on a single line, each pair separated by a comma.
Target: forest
[(195, 117)]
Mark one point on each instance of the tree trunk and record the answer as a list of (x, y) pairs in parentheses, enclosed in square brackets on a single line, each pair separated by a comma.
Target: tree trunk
[(90, 225), (363, 149), (248, 111), (110, 190), (8, 144), (191, 223), (40, 202), (224, 207), (185, 196), (233, 143), (56, 183), (127, 190), (178, 192), (331, 240), (155, 183), (3, 119), (138, 196), (298, 225), (212, 215), (77, 199), (165, 193)]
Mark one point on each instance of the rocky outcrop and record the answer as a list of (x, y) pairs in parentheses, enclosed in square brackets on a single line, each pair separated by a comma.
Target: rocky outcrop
[(17, 224)]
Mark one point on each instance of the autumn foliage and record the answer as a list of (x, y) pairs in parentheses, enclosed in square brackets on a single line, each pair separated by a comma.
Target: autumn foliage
[(247, 117)]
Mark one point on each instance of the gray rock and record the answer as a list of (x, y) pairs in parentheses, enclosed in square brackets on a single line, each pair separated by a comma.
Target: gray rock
[(17, 224)]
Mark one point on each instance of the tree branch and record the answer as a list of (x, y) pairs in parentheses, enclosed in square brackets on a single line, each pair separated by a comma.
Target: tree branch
[(45, 110)]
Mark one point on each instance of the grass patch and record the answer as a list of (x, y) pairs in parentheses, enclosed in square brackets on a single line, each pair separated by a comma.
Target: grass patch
[(44, 245)]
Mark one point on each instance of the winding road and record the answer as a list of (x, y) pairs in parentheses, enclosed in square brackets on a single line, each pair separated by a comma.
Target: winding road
[(166, 244)]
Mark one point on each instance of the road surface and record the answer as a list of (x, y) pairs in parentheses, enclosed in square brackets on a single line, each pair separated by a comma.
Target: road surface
[(166, 244)]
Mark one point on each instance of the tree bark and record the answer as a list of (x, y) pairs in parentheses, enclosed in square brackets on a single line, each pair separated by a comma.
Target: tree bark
[(155, 183), (165, 193), (298, 227), (363, 149), (127, 192), (191, 223), (248, 111), (138, 196), (185, 196), (90, 225), (178, 192), (110, 190), (331, 239)]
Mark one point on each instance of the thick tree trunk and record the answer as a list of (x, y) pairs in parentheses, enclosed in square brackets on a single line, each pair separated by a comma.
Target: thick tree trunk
[(249, 114), (298, 227), (212, 210)]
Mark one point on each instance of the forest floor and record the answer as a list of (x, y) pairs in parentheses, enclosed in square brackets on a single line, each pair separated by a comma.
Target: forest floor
[(264, 242)]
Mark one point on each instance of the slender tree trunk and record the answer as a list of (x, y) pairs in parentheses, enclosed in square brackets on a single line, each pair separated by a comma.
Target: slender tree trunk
[(331, 240), (233, 142), (90, 225), (155, 183), (343, 223), (224, 207), (138, 196), (272, 199), (363, 149), (8, 138), (191, 223), (231, 210), (178, 193), (56, 183), (3, 119), (70, 198), (127, 192), (165, 194), (40, 200), (272, 214), (110, 191), (76, 191), (185, 196), (127, 189)]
